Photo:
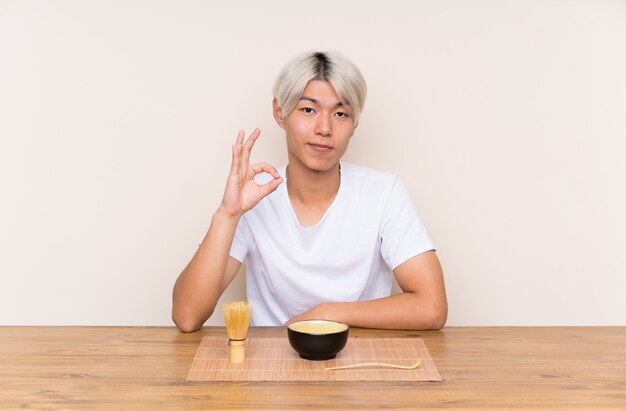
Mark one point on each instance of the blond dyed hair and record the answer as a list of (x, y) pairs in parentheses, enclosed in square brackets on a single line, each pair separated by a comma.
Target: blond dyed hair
[(329, 66)]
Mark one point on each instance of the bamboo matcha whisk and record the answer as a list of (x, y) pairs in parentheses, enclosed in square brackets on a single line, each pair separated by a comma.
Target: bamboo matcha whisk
[(237, 319)]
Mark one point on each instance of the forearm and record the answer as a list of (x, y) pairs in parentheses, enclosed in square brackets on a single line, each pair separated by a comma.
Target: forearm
[(201, 283), (405, 311)]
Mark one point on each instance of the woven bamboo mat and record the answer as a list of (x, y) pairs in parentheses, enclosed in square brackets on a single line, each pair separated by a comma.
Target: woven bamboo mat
[(273, 359)]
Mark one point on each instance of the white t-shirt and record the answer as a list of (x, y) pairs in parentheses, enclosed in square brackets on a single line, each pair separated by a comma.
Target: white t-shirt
[(370, 228)]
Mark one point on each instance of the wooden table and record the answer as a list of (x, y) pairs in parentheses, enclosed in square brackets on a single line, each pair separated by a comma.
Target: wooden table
[(521, 368)]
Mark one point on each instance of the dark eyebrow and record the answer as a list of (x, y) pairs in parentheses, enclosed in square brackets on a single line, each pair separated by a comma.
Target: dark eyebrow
[(315, 101)]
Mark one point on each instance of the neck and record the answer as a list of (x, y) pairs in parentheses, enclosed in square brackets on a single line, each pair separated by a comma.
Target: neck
[(312, 187)]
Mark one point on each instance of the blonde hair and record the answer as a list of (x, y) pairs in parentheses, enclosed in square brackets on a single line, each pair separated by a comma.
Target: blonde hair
[(328, 66)]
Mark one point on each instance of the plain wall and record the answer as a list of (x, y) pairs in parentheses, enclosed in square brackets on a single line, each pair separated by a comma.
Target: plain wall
[(505, 119)]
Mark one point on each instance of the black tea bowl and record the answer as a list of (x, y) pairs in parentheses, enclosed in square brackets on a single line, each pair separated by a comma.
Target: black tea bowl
[(317, 339)]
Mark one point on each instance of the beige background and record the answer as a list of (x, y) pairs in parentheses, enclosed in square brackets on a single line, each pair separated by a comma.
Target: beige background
[(506, 120)]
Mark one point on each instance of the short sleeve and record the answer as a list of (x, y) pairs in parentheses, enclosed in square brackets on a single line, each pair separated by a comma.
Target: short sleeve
[(241, 241), (402, 232)]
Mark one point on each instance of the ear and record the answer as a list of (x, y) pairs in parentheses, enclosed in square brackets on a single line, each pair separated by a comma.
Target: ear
[(278, 115)]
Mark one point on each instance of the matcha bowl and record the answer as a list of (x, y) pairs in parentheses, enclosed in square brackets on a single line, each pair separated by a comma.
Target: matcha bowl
[(317, 339)]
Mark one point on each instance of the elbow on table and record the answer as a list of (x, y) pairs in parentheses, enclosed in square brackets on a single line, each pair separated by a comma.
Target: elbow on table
[(438, 317), (438, 322), (435, 318), (186, 327), (186, 322)]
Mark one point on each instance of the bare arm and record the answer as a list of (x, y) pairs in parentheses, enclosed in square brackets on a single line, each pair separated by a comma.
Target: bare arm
[(207, 275), (422, 305), (211, 269)]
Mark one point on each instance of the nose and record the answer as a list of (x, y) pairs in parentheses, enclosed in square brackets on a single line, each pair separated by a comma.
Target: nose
[(323, 126)]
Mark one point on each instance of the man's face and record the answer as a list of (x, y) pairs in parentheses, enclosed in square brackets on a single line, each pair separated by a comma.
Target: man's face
[(318, 129)]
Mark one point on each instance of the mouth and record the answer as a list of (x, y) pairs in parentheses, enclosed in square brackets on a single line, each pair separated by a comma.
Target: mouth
[(320, 147)]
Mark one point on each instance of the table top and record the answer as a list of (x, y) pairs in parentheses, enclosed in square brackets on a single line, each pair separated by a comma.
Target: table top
[(519, 368)]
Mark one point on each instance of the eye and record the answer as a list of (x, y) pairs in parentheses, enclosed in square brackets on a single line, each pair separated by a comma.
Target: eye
[(341, 114), (307, 110)]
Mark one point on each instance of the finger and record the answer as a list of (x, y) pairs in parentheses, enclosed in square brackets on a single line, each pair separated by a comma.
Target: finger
[(236, 160), (265, 167), (240, 136), (247, 147), (271, 186), (253, 136), (239, 143), (236, 149)]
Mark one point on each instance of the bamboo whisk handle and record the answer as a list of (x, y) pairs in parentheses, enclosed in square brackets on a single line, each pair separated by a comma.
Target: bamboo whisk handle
[(237, 351)]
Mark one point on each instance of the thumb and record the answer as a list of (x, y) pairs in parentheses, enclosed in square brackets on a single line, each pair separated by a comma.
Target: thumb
[(271, 186)]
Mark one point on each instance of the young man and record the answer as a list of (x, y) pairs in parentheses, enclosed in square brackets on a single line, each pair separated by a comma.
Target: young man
[(321, 237)]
